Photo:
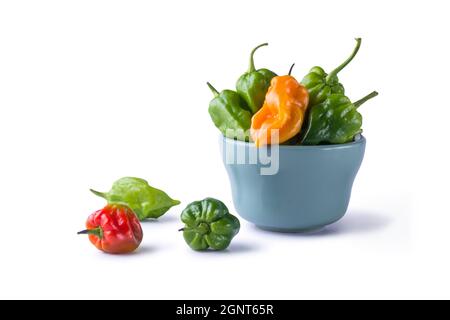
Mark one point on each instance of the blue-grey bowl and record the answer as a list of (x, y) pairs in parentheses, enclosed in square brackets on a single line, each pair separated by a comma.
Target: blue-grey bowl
[(311, 189)]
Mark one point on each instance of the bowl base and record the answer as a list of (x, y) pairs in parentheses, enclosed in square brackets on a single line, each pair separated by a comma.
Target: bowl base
[(295, 230)]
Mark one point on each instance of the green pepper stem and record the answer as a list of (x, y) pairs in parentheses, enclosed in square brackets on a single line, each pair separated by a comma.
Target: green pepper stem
[(290, 69), (371, 95), (251, 66), (346, 62), (214, 91), (182, 229), (96, 232), (98, 193)]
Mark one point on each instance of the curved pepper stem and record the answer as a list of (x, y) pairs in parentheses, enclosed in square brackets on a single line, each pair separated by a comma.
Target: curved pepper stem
[(290, 69), (251, 66), (346, 62), (98, 232), (214, 91), (203, 228), (368, 97), (98, 193)]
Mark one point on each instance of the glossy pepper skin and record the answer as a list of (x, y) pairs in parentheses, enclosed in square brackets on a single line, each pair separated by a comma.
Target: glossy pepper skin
[(114, 229), (208, 224), (229, 114), (283, 110), (336, 120), (320, 84), (252, 85), (145, 200)]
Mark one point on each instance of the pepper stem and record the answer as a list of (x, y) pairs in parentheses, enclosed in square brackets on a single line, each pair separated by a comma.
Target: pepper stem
[(182, 229), (96, 232), (214, 91), (98, 193), (346, 62), (251, 66), (371, 95), (290, 69)]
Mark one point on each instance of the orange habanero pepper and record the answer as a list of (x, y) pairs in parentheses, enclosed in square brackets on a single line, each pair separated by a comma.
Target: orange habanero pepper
[(283, 109)]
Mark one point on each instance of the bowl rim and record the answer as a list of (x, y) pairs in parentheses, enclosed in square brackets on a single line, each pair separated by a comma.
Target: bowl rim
[(352, 144)]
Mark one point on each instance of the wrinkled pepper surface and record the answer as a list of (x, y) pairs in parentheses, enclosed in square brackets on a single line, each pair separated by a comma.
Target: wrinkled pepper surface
[(229, 113), (252, 86), (320, 84), (335, 120), (284, 109), (114, 229), (143, 199), (208, 224)]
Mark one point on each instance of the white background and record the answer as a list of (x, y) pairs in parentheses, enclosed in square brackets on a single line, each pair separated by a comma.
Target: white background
[(91, 91)]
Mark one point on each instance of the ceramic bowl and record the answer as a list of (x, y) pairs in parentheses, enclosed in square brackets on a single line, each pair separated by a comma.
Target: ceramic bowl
[(310, 189)]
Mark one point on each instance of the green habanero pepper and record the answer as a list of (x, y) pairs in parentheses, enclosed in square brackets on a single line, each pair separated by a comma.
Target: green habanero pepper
[(336, 120), (252, 86), (208, 224), (136, 193), (229, 114), (320, 84)]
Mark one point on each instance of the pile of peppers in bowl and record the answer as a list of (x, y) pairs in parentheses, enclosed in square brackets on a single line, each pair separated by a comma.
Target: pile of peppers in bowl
[(314, 111)]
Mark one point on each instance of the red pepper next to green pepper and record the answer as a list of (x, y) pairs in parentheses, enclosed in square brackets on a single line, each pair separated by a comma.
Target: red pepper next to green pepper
[(114, 229)]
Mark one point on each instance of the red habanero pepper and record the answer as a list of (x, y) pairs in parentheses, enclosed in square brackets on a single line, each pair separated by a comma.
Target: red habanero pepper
[(114, 229)]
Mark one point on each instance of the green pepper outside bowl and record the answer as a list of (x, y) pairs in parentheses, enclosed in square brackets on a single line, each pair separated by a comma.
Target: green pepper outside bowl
[(310, 189)]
